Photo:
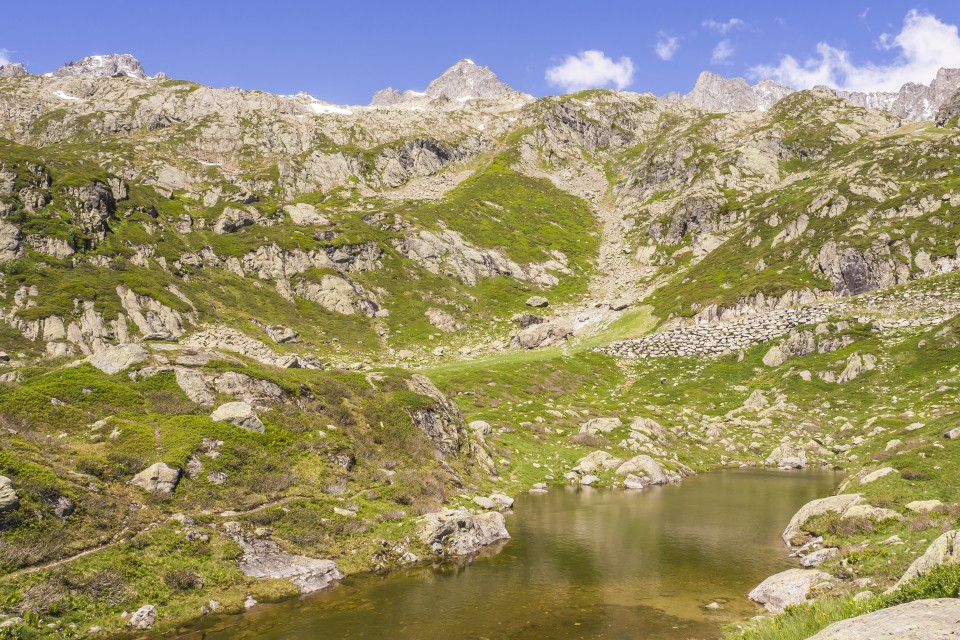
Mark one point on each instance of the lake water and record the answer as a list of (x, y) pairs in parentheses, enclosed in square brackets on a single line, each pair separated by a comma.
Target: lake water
[(582, 563)]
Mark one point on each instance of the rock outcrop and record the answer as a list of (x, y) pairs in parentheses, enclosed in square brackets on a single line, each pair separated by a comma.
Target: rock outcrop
[(459, 533), (794, 534), (934, 619), (265, 559), (113, 359), (442, 422), (943, 550)]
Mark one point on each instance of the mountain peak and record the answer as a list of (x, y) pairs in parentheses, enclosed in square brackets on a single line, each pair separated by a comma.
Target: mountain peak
[(106, 66), (12, 69), (466, 79)]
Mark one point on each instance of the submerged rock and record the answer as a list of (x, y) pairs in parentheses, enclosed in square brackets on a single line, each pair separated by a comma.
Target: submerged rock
[(457, 532)]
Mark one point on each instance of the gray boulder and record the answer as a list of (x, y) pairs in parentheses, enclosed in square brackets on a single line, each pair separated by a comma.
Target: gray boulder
[(934, 619), (457, 532), (8, 497), (143, 618), (597, 460), (783, 589), (643, 470), (538, 302), (158, 478), (240, 414)]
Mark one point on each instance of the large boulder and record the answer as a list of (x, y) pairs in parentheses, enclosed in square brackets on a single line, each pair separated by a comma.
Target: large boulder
[(240, 414), (114, 359), (876, 475), (870, 512), (457, 532), (248, 389), (194, 385), (544, 334), (645, 469), (786, 588), (597, 460), (933, 619), (794, 534), (8, 497), (264, 559), (158, 478), (143, 618), (943, 550), (302, 214), (600, 425)]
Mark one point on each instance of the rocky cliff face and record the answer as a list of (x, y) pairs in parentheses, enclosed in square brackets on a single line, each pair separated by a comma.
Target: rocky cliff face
[(108, 66), (11, 70)]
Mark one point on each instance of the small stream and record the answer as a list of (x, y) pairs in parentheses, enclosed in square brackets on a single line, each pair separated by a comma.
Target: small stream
[(582, 563)]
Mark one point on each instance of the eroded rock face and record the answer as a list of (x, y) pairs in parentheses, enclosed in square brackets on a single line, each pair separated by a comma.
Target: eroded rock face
[(158, 478), (338, 294), (933, 619), (442, 423), (459, 533), (783, 589), (466, 80), (248, 389)]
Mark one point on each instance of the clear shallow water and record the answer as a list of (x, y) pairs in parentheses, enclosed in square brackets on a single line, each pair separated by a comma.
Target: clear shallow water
[(582, 564)]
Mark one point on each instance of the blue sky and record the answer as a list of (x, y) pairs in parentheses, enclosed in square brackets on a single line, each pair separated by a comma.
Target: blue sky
[(344, 51)]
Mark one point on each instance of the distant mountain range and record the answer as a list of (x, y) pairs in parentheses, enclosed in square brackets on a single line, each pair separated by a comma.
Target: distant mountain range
[(467, 80)]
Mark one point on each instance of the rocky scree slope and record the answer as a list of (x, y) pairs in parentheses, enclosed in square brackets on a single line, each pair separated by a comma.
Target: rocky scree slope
[(212, 300)]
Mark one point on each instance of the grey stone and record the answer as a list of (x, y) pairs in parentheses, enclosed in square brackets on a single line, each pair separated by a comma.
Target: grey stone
[(158, 478), (933, 619), (786, 588), (143, 618), (114, 359), (240, 414), (8, 497), (460, 533)]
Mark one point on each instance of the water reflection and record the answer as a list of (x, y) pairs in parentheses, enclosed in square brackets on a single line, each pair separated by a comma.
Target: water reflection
[(582, 564)]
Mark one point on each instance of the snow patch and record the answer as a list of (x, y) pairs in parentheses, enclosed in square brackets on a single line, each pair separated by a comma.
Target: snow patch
[(481, 127), (64, 96), (464, 98), (469, 61), (210, 164), (329, 108)]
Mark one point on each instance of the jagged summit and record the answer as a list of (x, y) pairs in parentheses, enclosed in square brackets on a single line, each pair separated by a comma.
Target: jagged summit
[(914, 101), (713, 92), (463, 81), (466, 79), (12, 69), (108, 66)]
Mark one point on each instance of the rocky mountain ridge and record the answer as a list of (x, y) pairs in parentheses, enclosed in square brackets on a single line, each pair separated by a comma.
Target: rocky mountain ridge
[(913, 102)]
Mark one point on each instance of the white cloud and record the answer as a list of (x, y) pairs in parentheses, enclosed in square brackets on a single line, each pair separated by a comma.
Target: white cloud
[(666, 46), (591, 70), (923, 45), (4, 57), (722, 52), (723, 27)]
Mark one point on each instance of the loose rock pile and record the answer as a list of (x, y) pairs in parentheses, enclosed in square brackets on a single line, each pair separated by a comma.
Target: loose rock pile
[(722, 337)]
